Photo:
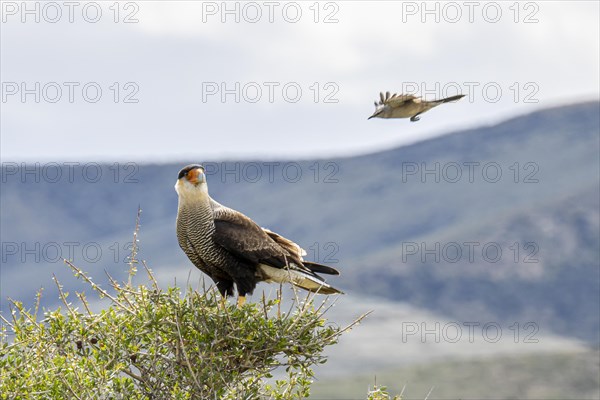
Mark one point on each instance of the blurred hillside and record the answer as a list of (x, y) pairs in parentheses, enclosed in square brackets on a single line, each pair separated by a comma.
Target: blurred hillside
[(565, 375), (499, 223)]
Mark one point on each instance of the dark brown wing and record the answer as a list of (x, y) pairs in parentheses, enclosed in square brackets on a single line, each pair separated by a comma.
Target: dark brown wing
[(246, 240), (288, 245), (298, 251), (397, 100)]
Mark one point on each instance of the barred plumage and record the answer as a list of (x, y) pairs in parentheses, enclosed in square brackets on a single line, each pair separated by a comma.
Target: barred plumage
[(232, 249)]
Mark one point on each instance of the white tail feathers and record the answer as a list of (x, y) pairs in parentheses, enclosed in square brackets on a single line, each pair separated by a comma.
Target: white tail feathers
[(297, 278)]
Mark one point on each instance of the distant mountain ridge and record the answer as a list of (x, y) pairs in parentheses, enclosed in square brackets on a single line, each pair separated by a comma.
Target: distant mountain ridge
[(364, 212)]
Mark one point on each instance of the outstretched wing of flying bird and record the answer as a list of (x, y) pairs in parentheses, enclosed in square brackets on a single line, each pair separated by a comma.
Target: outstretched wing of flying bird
[(395, 100)]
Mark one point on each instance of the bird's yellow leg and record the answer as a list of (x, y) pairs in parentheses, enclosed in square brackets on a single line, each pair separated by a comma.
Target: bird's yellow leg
[(241, 301)]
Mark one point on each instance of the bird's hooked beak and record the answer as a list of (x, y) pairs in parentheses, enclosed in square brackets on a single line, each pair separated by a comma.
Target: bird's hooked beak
[(191, 181), (195, 176), (193, 173)]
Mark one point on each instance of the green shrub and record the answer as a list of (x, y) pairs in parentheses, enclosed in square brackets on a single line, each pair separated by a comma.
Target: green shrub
[(150, 343)]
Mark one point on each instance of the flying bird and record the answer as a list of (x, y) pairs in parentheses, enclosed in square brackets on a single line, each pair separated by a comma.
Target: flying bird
[(232, 249), (406, 105)]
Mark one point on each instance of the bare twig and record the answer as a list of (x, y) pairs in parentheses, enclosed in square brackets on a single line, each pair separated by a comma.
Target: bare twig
[(69, 387), (38, 299), (97, 288), (429, 393), (134, 248), (118, 288), (63, 297), (350, 326), (7, 322), (187, 360), (150, 275)]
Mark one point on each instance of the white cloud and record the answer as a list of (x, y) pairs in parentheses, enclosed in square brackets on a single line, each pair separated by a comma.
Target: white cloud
[(373, 47)]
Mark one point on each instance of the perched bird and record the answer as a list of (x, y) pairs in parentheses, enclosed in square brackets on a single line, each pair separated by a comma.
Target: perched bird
[(406, 105), (232, 249)]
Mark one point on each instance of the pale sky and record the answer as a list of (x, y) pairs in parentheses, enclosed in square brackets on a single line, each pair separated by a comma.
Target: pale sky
[(305, 82)]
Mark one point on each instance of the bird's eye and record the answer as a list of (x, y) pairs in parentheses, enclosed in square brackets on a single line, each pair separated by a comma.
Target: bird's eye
[(183, 173)]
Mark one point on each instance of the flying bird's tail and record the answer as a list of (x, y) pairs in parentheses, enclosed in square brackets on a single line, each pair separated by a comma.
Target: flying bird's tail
[(451, 98)]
